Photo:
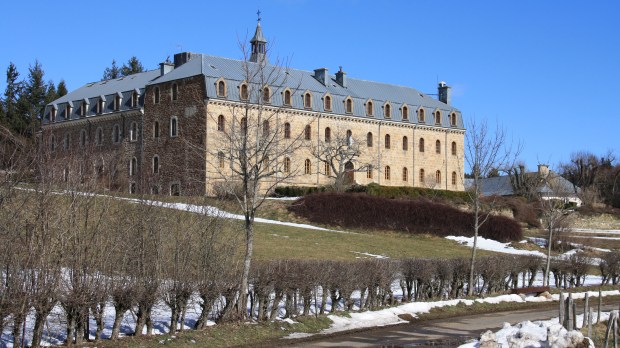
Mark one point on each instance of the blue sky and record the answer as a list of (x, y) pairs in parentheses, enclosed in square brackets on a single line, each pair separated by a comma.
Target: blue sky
[(547, 71)]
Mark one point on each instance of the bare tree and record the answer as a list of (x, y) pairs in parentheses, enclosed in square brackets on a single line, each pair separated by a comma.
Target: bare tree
[(339, 153), (256, 147), (485, 151)]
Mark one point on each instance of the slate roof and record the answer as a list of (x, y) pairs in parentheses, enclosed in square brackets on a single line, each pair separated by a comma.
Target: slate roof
[(501, 186), (299, 81), (106, 90)]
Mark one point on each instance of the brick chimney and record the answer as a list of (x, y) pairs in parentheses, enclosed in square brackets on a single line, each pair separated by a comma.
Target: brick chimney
[(341, 78), (320, 75), (443, 92)]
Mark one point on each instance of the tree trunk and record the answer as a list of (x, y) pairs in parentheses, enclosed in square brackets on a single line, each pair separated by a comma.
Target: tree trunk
[(116, 326), (242, 303), (470, 290), (548, 266), (39, 323)]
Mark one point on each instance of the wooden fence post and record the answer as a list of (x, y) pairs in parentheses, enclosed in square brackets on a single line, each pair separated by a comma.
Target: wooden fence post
[(585, 310), (600, 303), (590, 323), (569, 313), (562, 308)]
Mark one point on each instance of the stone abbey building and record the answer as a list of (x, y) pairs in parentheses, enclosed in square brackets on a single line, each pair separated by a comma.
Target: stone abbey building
[(157, 131)]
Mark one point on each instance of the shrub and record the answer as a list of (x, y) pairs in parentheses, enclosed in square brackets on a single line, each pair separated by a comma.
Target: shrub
[(358, 210), (521, 210), (415, 193), (297, 191)]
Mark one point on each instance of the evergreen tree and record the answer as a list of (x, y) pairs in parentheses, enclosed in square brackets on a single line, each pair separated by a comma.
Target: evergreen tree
[(31, 101), (11, 95), (51, 93), (61, 89), (133, 66), (112, 72)]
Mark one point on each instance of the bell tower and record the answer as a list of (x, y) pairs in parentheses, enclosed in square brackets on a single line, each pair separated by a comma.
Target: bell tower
[(259, 44)]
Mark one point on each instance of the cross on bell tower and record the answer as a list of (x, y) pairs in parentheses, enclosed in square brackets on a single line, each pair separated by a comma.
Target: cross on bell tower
[(259, 44)]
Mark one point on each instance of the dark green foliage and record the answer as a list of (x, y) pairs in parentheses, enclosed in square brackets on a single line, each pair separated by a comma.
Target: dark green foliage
[(415, 192), (112, 72), (410, 216), (297, 191), (11, 95), (133, 66), (51, 93), (61, 89)]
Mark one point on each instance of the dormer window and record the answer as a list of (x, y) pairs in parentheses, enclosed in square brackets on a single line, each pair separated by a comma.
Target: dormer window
[(221, 89), (308, 100), (67, 112), (117, 103), (100, 106), (175, 91), (405, 113), (437, 117), (369, 108), (421, 116), (244, 92), (53, 114), (453, 119), (287, 98), (327, 103), (266, 95), (348, 105), (84, 109), (134, 99), (387, 111)]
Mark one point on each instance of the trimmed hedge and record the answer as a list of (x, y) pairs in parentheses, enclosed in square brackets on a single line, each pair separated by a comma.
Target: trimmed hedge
[(358, 210)]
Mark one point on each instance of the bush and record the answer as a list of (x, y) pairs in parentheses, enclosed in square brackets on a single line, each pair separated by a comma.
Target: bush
[(416, 192), (297, 191), (521, 209), (358, 210)]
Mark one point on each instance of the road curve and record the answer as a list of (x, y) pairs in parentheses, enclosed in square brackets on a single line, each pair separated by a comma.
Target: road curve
[(433, 333)]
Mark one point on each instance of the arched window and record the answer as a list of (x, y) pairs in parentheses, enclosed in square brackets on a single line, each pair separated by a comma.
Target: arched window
[(328, 170), (308, 101), (174, 127), (405, 174), (266, 162), (175, 91), (132, 188), (307, 166), (387, 173), (437, 117), (387, 111), (453, 119), (405, 143), (266, 95), (421, 116), (116, 134), (99, 136), (287, 98), (53, 143), (244, 125), (221, 89), (422, 176), (244, 92), (421, 145), (133, 166), (369, 172), (221, 123), (287, 165), (328, 135), (387, 141), (369, 108), (308, 132), (156, 95), (83, 138), (133, 132), (221, 160), (156, 130), (265, 128), (369, 139), (287, 130), (155, 164), (453, 178), (327, 103), (453, 148), (349, 106), (438, 177), (438, 147), (66, 142), (53, 114), (175, 189), (405, 112)]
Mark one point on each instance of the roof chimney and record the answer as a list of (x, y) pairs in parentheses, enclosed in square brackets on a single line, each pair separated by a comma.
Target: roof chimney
[(320, 75), (341, 78), (182, 58), (165, 67), (443, 92), (543, 170)]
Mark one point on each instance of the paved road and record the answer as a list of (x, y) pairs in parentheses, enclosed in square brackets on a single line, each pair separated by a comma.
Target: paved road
[(436, 333)]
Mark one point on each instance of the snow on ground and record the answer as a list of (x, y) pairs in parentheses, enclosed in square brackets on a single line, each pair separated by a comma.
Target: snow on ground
[(283, 198), (390, 316), (370, 255), (596, 231), (493, 245)]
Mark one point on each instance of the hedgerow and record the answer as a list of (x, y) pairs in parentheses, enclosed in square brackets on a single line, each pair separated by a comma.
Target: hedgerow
[(358, 210)]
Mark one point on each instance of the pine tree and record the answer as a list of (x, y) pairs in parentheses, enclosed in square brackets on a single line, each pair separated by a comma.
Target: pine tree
[(133, 66), (31, 101), (61, 89), (51, 93), (112, 72), (11, 95)]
